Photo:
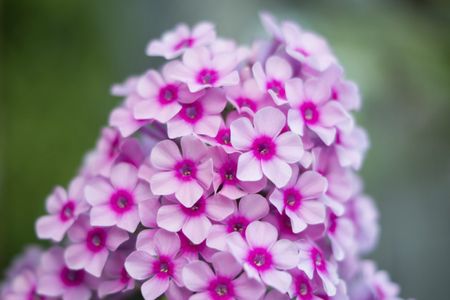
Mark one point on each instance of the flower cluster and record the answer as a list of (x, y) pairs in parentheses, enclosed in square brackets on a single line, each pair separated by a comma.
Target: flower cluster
[(230, 173)]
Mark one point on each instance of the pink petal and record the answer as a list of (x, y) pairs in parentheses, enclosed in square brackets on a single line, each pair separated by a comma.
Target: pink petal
[(326, 134), (297, 222), (77, 293), (147, 212), (116, 237), (225, 265), (269, 121), (254, 207), (164, 183), (149, 84), (285, 254), (278, 68), (165, 155), (277, 171), (171, 218), (166, 243), (97, 263), (102, 215), (277, 200), (260, 76), (129, 221), (248, 289), (138, 265), (295, 121), (317, 90), (242, 134), (229, 80), (294, 92), (145, 239), (217, 237), (249, 167), (51, 227), (277, 279), (204, 173), (98, 191), (154, 287), (312, 184), (261, 234), (56, 200), (123, 120), (237, 246), (193, 148), (219, 207), (332, 114), (49, 285), (188, 193), (177, 127), (76, 256), (197, 229), (208, 125), (197, 275), (313, 212), (289, 147)]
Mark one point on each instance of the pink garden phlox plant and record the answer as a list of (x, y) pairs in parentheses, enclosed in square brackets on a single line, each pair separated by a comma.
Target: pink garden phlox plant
[(228, 173)]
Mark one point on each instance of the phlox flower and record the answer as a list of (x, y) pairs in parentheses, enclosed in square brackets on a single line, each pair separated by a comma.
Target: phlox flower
[(251, 208), (187, 174), (201, 117), (342, 236), (201, 68), (57, 280), (63, 207), (266, 151), (264, 257), (351, 147), (116, 278), (300, 199), (247, 98), (175, 42), (221, 283), (312, 108), (90, 246), (273, 76), (159, 265), (194, 221), (313, 261), (115, 200), (302, 288), (22, 287)]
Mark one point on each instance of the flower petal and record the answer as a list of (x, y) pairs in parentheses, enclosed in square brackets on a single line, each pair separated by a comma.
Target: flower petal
[(261, 234), (196, 276)]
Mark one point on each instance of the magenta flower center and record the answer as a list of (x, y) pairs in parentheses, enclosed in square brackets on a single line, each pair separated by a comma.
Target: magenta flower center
[(72, 278), (184, 43), (334, 94), (318, 259), (264, 148), (246, 102), (309, 112), (292, 199), (186, 170), (96, 239), (32, 295), (237, 223), (223, 136), (67, 211), (333, 223), (207, 76), (221, 288), (228, 172), (197, 209), (121, 201), (302, 287), (168, 94), (191, 112), (260, 259), (277, 87), (163, 267)]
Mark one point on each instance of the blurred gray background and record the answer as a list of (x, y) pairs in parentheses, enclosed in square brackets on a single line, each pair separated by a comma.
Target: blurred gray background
[(59, 58)]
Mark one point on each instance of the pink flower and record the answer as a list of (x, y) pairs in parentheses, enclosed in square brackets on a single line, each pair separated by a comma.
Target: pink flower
[(247, 98), (186, 175), (161, 98), (115, 201), (313, 261), (251, 208), (91, 246), (177, 41), (194, 221), (56, 279), (342, 236), (299, 199), (225, 181), (302, 288), (64, 208), (224, 283), (351, 147), (272, 78), (311, 108), (159, 264), (201, 68), (201, 117), (22, 287), (263, 256), (266, 150), (116, 278)]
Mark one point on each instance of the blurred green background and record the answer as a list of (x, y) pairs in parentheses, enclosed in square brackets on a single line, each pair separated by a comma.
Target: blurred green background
[(59, 58)]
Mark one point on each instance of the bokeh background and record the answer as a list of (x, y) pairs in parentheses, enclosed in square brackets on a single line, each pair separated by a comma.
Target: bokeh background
[(59, 58)]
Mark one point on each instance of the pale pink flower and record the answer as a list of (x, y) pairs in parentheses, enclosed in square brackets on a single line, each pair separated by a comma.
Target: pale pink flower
[(194, 221), (201, 68), (266, 150), (271, 25), (177, 41), (159, 265), (300, 199), (313, 261), (302, 288), (247, 98), (201, 117), (264, 257), (273, 76), (63, 208), (161, 97), (122, 118), (22, 287), (312, 108), (351, 147), (115, 200), (221, 283), (91, 246), (187, 174), (116, 278), (56, 279), (342, 236), (251, 208)]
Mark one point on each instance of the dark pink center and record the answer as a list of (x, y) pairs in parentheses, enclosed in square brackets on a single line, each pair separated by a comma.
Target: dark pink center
[(292, 199), (96, 239), (318, 259), (260, 259), (184, 43), (168, 94), (334, 94), (67, 211), (197, 209), (264, 148), (191, 112), (185, 170), (121, 201), (277, 87), (163, 267), (221, 288), (190, 247), (72, 278), (309, 112), (333, 223), (207, 76), (302, 287), (246, 102), (114, 146), (237, 223), (228, 172), (223, 136)]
